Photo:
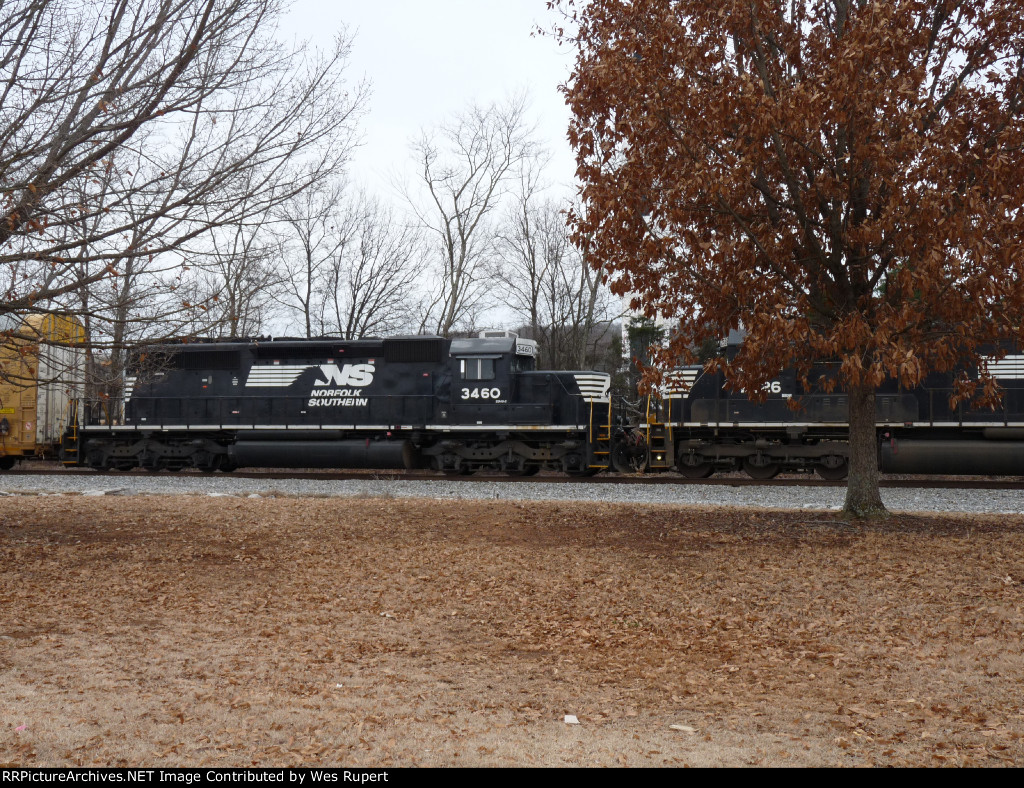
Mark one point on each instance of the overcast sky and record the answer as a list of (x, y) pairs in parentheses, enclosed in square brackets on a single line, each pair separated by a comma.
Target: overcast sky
[(427, 59)]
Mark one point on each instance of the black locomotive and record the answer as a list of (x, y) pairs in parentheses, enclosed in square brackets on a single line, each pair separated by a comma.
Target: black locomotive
[(699, 427), (455, 405), (466, 405)]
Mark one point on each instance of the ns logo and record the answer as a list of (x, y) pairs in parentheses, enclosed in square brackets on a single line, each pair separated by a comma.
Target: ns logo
[(356, 375)]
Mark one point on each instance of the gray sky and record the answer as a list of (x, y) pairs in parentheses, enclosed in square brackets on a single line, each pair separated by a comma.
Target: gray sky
[(427, 59)]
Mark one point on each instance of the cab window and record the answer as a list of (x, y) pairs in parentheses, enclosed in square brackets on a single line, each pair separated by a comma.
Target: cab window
[(477, 368), (522, 364)]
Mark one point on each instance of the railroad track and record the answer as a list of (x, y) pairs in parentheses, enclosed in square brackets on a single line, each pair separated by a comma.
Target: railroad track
[(792, 480)]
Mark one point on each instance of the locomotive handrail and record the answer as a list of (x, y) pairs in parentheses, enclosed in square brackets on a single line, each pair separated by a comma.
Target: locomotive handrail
[(216, 416), (213, 411)]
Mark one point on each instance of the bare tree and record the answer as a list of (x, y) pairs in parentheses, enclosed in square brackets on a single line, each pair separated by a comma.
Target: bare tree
[(239, 279), (526, 252), (143, 294), (313, 236), (374, 281), (549, 282), (351, 265), (131, 130), (463, 169)]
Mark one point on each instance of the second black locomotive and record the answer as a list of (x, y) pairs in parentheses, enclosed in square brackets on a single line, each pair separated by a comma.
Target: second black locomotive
[(699, 427)]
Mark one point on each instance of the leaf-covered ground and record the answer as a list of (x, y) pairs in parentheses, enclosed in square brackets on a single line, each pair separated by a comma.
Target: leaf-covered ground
[(224, 631)]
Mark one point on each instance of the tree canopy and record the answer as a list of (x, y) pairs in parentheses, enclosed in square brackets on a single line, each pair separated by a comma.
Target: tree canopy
[(841, 178)]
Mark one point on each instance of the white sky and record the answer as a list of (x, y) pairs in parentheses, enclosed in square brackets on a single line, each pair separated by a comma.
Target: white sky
[(428, 59)]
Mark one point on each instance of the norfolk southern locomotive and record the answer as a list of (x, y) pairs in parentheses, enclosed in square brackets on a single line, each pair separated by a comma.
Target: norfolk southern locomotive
[(455, 405), (465, 405), (699, 427)]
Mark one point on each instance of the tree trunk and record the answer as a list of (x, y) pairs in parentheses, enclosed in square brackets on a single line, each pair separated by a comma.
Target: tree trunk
[(862, 496)]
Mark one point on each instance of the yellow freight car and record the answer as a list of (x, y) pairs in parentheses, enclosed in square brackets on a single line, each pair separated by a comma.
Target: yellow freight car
[(42, 370)]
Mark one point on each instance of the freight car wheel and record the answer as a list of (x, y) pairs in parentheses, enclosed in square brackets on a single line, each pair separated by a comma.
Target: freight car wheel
[(833, 468), (760, 467)]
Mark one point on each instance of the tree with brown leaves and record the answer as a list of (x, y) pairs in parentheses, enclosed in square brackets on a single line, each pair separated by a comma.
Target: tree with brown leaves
[(841, 178)]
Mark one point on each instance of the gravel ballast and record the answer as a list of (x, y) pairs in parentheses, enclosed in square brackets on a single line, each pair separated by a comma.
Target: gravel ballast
[(772, 497)]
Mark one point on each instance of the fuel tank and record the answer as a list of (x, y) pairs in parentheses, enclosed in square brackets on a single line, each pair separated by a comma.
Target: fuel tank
[(324, 454), (972, 457)]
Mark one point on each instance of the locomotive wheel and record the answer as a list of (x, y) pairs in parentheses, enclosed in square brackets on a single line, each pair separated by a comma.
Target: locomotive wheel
[(574, 465), (450, 465), (759, 467), (529, 470), (625, 460), (833, 468), (694, 466), (209, 463), (6, 463)]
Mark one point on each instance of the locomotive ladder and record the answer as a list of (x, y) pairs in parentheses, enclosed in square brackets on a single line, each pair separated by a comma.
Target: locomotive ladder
[(659, 441), (69, 440), (599, 433)]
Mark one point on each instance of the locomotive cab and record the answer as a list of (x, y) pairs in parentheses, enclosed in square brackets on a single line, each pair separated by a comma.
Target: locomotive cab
[(486, 375)]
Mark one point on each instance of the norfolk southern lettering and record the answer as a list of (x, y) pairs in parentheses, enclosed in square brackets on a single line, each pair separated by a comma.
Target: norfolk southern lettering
[(357, 375), (347, 398)]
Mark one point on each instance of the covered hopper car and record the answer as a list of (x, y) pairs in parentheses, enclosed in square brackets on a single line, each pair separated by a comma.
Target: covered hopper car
[(42, 371)]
